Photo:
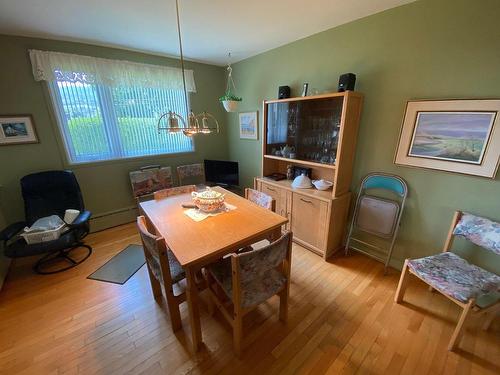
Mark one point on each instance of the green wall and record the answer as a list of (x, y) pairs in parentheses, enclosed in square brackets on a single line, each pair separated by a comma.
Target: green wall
[(427, 49), (105, 186)]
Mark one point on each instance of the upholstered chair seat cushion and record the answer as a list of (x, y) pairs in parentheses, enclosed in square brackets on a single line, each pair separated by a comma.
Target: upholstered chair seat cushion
[(454, 276), (176, 270), (255, 290)]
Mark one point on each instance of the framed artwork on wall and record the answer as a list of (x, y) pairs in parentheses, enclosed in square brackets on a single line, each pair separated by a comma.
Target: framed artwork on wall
[(18, 129), (249, 125), (461, 136)]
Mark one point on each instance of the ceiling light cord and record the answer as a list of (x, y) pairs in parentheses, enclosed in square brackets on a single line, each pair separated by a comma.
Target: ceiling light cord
[(182, 56)]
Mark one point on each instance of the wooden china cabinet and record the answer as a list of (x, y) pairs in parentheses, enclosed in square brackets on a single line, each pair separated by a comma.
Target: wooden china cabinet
[(321, 131)]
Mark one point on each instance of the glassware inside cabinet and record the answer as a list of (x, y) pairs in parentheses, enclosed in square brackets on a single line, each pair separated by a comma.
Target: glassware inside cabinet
[(304, 129)]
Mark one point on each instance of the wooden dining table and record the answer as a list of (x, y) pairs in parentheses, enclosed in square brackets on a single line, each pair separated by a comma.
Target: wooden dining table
[(197, 244)]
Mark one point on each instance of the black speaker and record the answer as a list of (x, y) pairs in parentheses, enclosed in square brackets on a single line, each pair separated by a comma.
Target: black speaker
[(347, 82), (284, 92)]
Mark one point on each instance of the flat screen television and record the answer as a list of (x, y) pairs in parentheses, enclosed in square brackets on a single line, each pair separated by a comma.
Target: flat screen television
[(220, 172)]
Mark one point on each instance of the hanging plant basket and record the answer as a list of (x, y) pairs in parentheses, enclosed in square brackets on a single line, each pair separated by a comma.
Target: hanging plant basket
[(230, 101)]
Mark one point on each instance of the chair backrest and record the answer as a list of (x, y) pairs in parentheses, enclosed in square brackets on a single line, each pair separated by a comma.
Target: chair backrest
[(147, 180), (386, 182), (253, 264), (50, 193), (478, 230), (378, 215), (260, 198), (191, 174), (155, 253), (178, 190)]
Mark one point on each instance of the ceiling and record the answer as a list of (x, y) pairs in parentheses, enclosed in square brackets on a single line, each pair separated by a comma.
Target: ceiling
[(210, 28)]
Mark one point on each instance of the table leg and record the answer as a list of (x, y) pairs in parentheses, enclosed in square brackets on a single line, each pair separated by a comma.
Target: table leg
[(194, 310)]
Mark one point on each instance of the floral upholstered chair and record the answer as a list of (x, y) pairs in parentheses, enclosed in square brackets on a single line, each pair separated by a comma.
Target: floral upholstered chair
[(260, 198), (164, 271), (178, 190), (264, 200), (149, 179), (240, 282), (454, 277), (191, 174)]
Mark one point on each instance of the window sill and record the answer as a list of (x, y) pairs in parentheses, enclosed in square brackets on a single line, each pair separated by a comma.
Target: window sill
[(131, 159)]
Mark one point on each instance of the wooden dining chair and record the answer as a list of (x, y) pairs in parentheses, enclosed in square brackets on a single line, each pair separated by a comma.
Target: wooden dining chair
[(149, 179), (191, 174), (260, 198), (264, 200), (178, 190), (240, 282), (164, 271), (463, 283)]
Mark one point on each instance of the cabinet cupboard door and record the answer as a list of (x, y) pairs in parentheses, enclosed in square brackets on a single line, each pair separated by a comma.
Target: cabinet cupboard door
[(310, 221)]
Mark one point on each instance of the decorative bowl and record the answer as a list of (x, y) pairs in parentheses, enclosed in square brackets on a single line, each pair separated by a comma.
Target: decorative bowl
[(302, 182), (208, 200), (322, 184)]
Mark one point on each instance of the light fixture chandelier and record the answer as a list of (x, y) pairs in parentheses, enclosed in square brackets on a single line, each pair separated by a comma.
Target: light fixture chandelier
[(203, 123)]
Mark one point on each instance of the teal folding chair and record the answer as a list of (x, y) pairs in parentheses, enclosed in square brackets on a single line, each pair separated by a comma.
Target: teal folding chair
[(376, 215)]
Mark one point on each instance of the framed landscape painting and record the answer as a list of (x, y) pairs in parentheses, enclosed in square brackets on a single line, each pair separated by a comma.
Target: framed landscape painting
[(249, 125), (17, 130), (460, 136)]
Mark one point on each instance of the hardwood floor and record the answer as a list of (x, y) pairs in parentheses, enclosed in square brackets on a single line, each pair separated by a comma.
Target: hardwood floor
[(342, 319)]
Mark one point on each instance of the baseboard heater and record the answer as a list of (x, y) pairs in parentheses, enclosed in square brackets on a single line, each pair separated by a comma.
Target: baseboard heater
[(113, 218)]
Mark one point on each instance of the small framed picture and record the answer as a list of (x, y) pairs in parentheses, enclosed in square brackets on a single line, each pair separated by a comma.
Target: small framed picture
[(17, 130), (249, 125), (460, 136)]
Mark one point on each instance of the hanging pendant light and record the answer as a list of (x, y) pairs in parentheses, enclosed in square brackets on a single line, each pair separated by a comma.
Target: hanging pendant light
[(175, 122)]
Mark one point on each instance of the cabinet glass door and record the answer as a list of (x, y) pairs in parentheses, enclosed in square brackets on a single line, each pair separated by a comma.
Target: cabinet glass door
[(304, 129)]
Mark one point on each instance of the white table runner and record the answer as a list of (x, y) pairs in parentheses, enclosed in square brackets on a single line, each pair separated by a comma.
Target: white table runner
[(198, 215)]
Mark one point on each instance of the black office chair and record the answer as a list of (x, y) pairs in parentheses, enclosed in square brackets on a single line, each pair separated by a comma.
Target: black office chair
[(50, 193)]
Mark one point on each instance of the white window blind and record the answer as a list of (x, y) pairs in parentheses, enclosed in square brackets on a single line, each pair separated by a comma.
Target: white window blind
[(111, 111)]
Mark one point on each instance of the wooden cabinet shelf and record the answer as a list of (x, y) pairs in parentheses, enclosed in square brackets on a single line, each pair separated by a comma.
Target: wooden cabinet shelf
[(301, 162), (325, 195), (319, 128)]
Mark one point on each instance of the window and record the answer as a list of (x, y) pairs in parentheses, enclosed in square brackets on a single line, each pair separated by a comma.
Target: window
[(100, 122), (108, 109)]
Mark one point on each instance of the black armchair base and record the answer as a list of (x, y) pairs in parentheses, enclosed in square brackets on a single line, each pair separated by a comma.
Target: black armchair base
[(43, 265)]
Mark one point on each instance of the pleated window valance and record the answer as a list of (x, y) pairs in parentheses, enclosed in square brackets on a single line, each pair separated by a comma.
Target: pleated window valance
[(56, 66)]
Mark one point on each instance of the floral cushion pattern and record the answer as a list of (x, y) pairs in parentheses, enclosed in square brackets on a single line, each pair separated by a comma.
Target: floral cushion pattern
[(480, 231), (153, 257), (165, 193), (454, 276), (255, 263), (191, 174), (254, 291), (190, 170), (260, 198), (258, 274), (176, 271), (149, 180)]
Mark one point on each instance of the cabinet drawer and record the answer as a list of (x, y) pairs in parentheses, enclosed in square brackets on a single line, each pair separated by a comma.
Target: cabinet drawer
[(310, 221), (271, 190), (283, 200)]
